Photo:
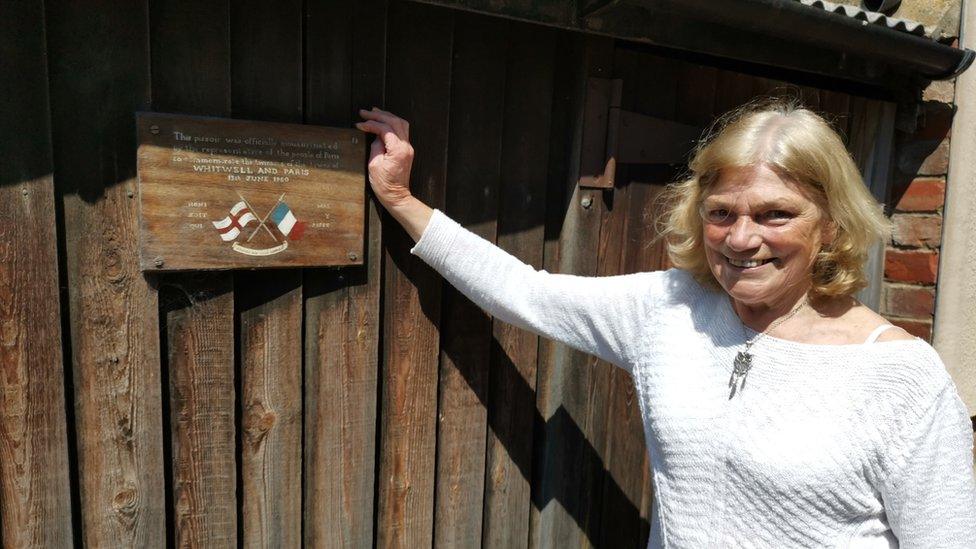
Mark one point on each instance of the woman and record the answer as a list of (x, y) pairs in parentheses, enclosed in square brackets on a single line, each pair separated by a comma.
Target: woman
[(778, 411)]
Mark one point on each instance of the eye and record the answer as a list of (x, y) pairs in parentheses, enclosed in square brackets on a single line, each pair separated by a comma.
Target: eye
[(716, 215), (777, 215)]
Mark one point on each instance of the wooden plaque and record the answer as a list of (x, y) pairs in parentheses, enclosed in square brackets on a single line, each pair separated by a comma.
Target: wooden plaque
[(229, 194)]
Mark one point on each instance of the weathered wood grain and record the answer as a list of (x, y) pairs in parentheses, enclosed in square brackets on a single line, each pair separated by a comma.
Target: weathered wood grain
[(344, 67), (199, 317), (473, 170), (564, 375), (521, 231), (191, 74), (266, 76), (421, 37), (35, 498), (475, 139), (99, 76)]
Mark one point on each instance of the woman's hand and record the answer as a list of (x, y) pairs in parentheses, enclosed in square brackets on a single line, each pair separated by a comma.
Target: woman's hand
[(390, 156)]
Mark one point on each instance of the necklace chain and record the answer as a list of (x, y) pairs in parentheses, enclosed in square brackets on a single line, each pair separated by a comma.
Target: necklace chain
[(743, 359)]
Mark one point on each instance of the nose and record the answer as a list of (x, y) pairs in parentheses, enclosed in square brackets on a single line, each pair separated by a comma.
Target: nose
[(744, 234)]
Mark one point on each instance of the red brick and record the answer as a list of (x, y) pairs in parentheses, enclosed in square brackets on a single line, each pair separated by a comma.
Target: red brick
[(908, 301), (911, 266), (920, 328), (924, 194), (917, 230), (937, 162)]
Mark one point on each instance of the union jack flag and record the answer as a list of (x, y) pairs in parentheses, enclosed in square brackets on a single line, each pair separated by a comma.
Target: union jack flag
[(230, 226)]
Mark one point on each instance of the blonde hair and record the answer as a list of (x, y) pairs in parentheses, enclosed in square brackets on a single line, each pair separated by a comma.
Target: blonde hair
[(802, 147)]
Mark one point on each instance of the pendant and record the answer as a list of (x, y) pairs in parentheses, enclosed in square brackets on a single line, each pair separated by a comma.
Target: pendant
[(740, 367)]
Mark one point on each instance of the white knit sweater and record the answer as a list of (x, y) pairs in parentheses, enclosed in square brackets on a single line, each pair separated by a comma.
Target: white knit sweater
[(865, 446)]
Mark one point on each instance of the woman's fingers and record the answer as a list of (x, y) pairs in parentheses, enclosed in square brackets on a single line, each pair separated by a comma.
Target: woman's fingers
[(390, 139), (399, 125)]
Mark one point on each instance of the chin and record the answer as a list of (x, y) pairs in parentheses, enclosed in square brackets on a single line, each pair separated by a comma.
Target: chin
[(748, 291)]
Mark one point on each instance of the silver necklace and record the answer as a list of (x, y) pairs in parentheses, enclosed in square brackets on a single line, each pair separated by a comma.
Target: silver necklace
[(743, 359)]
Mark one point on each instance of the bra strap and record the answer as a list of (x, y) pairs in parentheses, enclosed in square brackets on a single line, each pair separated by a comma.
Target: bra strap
[(877, 332)]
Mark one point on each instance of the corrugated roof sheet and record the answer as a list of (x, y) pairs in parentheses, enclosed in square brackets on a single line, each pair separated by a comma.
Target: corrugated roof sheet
[(871, 17)]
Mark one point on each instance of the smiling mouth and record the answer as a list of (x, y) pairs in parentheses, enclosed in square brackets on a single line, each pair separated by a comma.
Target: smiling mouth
[(749, 263)]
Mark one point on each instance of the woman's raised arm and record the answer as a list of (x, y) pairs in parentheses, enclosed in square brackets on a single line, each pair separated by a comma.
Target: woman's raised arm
[(599, 315)]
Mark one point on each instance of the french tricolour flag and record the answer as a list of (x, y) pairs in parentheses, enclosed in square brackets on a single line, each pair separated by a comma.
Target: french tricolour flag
[(230, 226), (287, 223)]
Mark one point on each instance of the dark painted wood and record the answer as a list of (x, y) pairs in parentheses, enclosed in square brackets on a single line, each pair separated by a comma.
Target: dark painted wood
[(732, 90), (418, 89), (191, 75), (344, 68), (521, 232), (836, 108), (99, 75), (35, 498), (267, 84), (474, 147), (696, 93)]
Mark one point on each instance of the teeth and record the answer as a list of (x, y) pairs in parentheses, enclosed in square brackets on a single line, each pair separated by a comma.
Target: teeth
[(747, 263)]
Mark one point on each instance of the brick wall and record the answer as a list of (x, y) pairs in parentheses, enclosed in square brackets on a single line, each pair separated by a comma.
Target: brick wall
[(912, 255)]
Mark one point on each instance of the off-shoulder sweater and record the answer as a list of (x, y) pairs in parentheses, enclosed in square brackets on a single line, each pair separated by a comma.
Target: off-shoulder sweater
[(865, 445)]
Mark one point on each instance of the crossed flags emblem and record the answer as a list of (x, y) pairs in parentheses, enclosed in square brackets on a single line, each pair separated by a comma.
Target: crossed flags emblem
[(242, 214)]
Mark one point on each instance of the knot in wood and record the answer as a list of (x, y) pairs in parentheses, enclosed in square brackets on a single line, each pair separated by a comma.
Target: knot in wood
[(257, 422), (124, 501)]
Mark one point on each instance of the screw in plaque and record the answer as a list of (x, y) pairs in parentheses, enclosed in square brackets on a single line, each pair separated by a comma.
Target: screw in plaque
[(154, 129)]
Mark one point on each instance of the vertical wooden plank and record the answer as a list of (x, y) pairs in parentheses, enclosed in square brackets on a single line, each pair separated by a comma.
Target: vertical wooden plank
[(810, 97), (99, 75), (199, 317), (521, 232), (836, 108), (35, 498), (474, 147), (696, 93), (560, 516), (733, 89), (621, 442), (267, 84), (419, 65), (191, 74), (345, 49)]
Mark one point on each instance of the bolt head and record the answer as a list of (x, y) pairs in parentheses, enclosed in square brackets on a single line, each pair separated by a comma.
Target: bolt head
[(353, 256), (154, 129), (586, 202), (158, 262)]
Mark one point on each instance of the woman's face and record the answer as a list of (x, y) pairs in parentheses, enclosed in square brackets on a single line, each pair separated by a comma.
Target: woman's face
[(761, 235)]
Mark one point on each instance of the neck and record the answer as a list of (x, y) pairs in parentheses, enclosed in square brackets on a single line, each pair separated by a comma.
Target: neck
[(759, 316)]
